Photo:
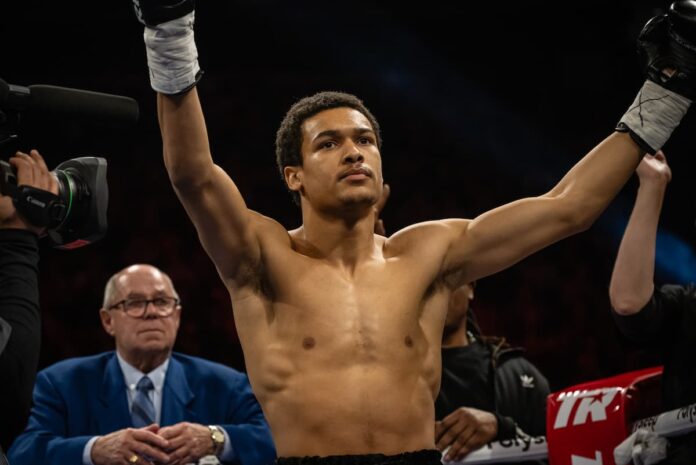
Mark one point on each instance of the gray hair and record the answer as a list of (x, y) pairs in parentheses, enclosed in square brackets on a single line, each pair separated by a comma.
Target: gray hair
[(111, 287)]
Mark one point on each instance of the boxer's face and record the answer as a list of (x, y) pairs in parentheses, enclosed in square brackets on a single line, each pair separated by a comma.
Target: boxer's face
[(151, 333), (341, 162)]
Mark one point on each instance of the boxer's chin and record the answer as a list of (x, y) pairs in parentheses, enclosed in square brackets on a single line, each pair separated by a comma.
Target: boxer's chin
[(358, 198)]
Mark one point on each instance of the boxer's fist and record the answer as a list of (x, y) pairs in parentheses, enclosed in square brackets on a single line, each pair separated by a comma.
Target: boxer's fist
[(667, 48), (154, 12), (169, 43), (682, 19), (654, 170)]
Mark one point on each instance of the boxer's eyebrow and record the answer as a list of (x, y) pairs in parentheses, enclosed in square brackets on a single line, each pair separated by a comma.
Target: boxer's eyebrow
[(327, 133), (335, 132)]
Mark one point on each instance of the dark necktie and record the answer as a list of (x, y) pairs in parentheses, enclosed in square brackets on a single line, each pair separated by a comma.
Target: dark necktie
[(142, 411)]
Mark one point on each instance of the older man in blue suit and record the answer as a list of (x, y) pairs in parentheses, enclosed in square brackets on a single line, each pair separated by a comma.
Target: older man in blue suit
[(142, 404)]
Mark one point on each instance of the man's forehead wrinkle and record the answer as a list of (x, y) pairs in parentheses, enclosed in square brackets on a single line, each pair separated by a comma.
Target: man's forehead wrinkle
[(128, 282)]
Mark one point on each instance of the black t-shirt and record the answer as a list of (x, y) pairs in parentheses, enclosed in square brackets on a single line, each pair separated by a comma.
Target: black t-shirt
[(667, 325)]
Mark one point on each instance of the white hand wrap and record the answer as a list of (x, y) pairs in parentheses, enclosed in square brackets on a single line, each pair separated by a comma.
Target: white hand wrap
[(653, 115), (172, 56)]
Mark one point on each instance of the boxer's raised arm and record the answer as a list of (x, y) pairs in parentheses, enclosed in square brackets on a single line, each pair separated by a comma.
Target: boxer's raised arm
[(225, 225), (507, 234), (503, 236), (210, 197)]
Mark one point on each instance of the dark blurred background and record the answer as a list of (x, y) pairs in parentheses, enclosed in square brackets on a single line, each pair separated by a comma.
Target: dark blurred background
[(481, 103)]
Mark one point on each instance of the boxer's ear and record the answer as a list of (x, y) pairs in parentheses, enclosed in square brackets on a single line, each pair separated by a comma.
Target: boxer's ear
[(293, 177)]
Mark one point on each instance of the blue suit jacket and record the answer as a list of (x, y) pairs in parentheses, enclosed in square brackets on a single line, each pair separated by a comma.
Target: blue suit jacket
[(82, 397)]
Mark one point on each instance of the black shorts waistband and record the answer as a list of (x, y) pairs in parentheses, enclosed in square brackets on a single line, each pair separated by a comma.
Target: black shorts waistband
[(420, 457)]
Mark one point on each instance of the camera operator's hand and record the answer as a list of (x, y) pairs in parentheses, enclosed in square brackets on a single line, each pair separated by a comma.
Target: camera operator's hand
[(31, 171)]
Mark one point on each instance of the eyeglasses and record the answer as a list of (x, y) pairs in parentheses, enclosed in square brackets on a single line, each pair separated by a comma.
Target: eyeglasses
[(164, 306)]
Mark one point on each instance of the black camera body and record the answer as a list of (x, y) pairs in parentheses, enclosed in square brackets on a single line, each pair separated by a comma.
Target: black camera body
[(77, 215)]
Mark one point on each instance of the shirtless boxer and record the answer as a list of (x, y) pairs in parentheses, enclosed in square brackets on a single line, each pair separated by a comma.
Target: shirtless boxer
[(341, 328)]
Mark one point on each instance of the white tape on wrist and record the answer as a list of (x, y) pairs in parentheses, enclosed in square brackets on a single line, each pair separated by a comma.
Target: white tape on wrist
[(654, 114), (172, 56)]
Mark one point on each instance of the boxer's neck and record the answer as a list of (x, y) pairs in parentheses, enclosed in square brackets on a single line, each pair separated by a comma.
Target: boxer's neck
[(336, 239)]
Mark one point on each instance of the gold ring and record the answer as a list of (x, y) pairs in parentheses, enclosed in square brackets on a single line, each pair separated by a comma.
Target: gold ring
[(133, 458)]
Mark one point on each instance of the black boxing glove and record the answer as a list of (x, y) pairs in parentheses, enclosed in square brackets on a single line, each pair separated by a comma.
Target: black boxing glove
[(153, 12), (169, 42), (668, 42), (667, 50)]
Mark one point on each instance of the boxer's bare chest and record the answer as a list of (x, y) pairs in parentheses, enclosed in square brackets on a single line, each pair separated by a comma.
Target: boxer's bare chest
[(373, 292), (369, 309), (321, 325), (315, 301)]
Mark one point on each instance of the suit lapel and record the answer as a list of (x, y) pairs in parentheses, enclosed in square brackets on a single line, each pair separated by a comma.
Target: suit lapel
[(113, 400), (177, 397)]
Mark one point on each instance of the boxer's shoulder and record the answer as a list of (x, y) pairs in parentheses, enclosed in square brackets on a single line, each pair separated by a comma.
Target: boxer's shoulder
[(269, 231), (429, 237)]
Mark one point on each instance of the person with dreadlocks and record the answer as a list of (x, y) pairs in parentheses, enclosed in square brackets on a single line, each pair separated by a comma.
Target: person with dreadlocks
[(489, 391)]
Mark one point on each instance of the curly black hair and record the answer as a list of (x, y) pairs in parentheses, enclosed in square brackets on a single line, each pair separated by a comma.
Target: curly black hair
[(289, 135)]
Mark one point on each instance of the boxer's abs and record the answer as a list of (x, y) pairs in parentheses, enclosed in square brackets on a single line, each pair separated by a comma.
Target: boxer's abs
[(338, 398), (368, 407)]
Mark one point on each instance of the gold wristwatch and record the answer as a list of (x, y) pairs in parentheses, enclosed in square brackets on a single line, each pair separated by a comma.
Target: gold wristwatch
[(218, 438)]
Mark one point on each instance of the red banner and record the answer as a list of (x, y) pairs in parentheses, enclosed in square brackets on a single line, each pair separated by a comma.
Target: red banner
[(584, 423)]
